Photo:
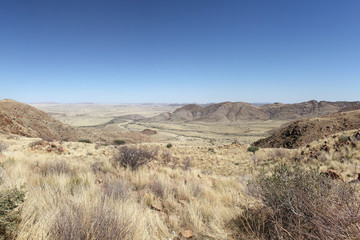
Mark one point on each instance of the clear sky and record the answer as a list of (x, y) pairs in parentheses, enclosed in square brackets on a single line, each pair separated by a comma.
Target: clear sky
[(179, 51)]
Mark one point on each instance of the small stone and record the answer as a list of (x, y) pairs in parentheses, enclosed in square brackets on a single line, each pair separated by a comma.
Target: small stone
[(156, 206), (99, 180), (186, 234)]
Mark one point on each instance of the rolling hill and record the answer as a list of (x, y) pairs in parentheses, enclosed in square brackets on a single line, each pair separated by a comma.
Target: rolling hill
[(25, 120), (304, 131), (235, 111)]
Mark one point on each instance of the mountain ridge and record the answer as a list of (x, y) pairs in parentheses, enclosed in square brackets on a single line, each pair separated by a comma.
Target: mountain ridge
[(235, 111), (301, 132)]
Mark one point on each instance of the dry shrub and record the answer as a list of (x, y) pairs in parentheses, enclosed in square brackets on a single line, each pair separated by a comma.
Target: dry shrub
[(301, 204), (97, 167), (187, 164), (36, 143), (55, 167), (3, 147), (117, 189), (91, 222), (167, 157), (133, 157), (159, 188)]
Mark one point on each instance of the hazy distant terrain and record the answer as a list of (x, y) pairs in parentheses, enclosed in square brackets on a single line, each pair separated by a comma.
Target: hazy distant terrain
[(137, 117), (212, 123), (96, 114)]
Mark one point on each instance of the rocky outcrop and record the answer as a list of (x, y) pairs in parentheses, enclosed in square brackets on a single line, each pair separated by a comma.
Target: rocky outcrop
[(301, 132)]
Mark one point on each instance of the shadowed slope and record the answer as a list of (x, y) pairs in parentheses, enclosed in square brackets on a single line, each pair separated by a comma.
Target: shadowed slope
[(304, 131)]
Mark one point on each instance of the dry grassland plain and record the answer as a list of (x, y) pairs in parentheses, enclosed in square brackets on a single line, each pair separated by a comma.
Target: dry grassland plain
[(199, 133), (76, 190)]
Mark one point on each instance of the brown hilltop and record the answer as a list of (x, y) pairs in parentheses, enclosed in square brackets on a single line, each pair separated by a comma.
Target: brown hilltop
[(234, 111), (25, 120), (304, 131)]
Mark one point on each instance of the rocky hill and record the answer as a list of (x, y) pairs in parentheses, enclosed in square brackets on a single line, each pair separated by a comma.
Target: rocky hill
[(234, 111), (25, 120), (304, 131)]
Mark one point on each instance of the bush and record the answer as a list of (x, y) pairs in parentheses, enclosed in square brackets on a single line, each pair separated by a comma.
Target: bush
[(85, 140), (117, 189), (169, 145), (187, 164), (10, 217), (96, 222), (301, 204), (119, 142), (56, 167), (253, 149), (36, 143), (212, 150), (133, 157), (3, 147)]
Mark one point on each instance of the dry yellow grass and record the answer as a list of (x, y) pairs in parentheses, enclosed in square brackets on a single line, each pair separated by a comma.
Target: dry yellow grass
[(69, 190)]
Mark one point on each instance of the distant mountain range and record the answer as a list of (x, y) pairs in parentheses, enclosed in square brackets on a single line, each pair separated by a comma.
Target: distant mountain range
[(235, 111)]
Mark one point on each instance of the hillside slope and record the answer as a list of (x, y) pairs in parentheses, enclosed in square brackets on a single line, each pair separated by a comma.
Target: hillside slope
[(304, 131), (234, 111), (25, 120)]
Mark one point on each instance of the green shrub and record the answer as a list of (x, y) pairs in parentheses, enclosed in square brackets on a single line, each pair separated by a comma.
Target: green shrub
[(10, 199), (301, 204), (212, 150), (119, 142), (253, 149), (169, 145), (85, 140)]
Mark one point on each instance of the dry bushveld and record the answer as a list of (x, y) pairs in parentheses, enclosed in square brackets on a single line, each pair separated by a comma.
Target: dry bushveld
[(72, 190)]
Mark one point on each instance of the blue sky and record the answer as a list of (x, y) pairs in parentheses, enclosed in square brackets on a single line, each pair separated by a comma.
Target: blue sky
[(179, 51)]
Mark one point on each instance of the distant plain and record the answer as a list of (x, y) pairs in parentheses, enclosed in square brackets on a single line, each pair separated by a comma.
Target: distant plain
[(133, 117)]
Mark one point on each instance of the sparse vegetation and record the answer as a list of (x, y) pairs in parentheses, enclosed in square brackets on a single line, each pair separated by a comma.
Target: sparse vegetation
[(85, 141), (253, 149), (147, 191), (74, 221), (3, 147), (10, 216), (301, 204), (56, 167), (36, 143), (133, 157), (119, 142)]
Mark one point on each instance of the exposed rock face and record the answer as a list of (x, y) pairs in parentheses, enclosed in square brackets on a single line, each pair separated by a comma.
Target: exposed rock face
[(351, 108), (25, 120), (332, 174), (301, 132), (233, 111)]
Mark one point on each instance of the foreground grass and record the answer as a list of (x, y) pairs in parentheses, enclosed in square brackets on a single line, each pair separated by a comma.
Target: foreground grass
[(80, 192), (74, 199)]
